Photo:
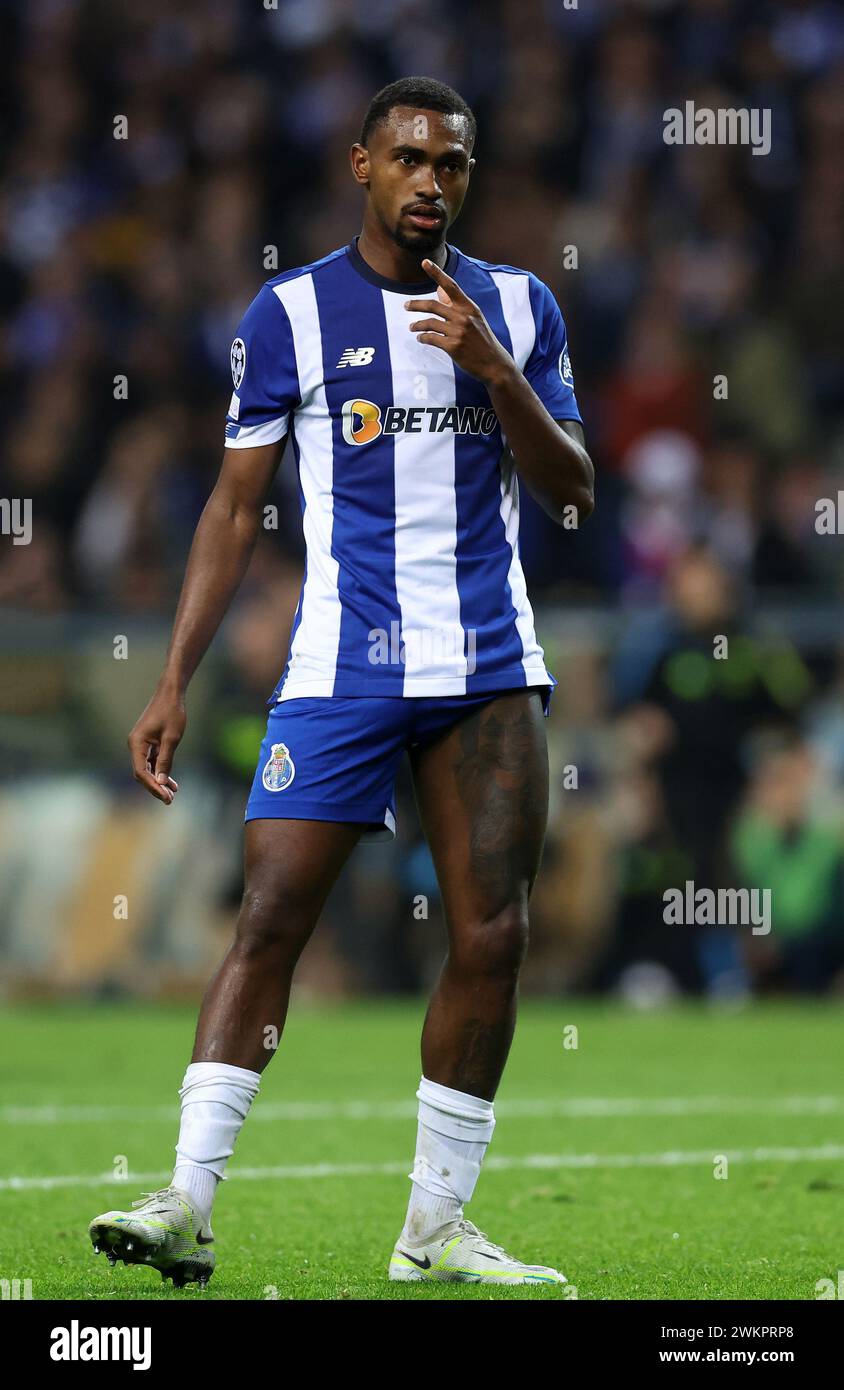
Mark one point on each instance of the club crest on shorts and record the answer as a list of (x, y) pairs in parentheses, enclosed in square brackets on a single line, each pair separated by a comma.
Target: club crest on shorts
[(279, 770)]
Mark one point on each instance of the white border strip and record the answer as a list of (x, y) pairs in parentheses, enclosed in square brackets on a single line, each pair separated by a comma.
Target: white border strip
[(571, 1107), (671, 1158)]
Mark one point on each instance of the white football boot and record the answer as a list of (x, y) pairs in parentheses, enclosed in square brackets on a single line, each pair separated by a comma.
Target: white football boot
[(461, 1254), (166, 1232)]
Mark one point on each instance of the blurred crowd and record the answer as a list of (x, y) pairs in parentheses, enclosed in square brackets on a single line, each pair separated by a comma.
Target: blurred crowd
[(703, 288)]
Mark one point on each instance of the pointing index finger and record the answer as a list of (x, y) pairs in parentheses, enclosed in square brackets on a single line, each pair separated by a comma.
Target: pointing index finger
[(451, 286)]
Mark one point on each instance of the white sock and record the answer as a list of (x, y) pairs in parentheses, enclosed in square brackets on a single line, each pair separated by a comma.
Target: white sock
[(452, 1137), (215, 1101)]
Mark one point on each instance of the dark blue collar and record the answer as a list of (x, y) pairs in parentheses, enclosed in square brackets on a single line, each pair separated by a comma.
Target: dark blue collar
[(425, 286)]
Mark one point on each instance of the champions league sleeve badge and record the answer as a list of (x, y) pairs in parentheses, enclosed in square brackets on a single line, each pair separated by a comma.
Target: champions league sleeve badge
[(238, 356), (278, 769)]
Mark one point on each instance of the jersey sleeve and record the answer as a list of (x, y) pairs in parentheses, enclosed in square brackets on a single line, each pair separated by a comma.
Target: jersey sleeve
[(266, 383), (548, 368)]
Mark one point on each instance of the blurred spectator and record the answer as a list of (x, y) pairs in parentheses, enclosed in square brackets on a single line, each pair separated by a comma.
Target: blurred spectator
[(703, 289), (138, 255), (779, 842), (704, 690)]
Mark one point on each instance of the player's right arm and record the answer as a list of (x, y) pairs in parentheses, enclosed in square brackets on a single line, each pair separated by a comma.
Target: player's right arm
[(219, 557), (266, 393)]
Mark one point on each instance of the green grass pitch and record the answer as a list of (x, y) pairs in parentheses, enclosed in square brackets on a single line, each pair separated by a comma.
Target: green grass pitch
[(603, 1162)]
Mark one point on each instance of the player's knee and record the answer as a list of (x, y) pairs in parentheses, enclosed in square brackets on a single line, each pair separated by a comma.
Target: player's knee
[(495, 945), (273, 919)]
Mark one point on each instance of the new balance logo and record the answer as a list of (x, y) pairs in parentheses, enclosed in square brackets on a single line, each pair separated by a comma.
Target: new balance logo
[(356, 357)]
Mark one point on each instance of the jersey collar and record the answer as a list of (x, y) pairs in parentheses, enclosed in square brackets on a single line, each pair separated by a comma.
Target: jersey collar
[(398, 286)]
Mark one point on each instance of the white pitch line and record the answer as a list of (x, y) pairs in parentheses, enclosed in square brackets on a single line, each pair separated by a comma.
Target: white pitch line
[(671, 1158), (573, 1107)]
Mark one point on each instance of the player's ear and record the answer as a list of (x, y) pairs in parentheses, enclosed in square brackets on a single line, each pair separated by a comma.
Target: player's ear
[(359, 159), (471, 165)]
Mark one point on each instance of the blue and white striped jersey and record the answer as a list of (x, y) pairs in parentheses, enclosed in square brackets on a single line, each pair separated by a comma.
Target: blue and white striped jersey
[(410, 505)]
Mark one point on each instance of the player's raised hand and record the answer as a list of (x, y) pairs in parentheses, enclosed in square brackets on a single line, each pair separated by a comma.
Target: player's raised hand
[(153, 742), (459, 328)]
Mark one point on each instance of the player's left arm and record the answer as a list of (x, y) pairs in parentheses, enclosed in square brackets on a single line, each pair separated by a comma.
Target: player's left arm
[(550, 454)]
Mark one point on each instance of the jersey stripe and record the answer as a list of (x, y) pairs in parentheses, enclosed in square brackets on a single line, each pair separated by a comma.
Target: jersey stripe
[(521, 326), (363, 489), (484, 558), (297, 617), (514, 291), (425, 514), (313, 650)]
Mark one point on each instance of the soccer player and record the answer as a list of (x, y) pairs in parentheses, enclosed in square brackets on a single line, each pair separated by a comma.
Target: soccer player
[(416, 385)]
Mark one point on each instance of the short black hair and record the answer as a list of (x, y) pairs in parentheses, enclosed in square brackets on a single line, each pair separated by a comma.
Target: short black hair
[(426, 94)]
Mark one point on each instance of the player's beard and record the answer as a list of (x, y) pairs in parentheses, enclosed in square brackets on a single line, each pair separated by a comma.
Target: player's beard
[(421, 243)]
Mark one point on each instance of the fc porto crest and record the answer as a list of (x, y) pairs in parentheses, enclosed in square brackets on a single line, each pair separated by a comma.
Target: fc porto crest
[(278, 769)]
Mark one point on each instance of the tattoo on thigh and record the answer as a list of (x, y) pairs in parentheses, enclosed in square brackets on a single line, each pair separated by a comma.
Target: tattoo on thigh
[(501, 772)]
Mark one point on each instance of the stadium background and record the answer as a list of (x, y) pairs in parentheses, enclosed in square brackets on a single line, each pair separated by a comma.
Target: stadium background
[(647, 1061), (137, 257)]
